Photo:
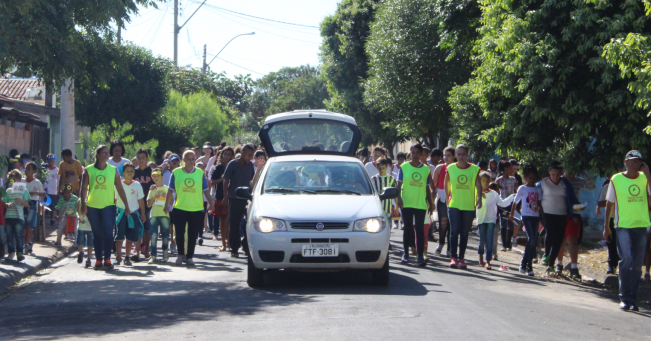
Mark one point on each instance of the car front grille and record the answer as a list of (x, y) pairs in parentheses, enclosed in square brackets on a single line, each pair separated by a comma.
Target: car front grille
[(367, 256), (311, 225), (301, 259), (271, 256), (320, 240)]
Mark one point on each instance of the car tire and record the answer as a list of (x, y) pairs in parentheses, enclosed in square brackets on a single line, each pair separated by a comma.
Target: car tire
[(254, 276), (381, 276)]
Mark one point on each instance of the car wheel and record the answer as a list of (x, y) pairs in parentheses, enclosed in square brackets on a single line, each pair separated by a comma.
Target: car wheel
[(254, 276), (381, 276)]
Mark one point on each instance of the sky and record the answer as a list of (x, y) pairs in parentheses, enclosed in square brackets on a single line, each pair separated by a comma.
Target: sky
[(274, 45)]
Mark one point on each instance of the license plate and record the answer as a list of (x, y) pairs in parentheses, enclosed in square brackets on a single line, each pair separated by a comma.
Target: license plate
[(320, 250)]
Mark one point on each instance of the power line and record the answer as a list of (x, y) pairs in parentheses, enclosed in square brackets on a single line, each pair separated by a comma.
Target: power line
[(158, 16), (252, 16), (292, 29), (153, 37), (242, 67)]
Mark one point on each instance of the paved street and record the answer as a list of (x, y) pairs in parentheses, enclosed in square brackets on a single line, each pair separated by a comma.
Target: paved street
[(212, 301)]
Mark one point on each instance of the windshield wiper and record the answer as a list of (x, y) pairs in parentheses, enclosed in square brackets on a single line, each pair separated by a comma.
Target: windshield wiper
[(289, 190), (338, 191)]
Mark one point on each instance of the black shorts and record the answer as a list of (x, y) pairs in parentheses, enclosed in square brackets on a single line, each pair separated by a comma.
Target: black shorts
[(441, 209)]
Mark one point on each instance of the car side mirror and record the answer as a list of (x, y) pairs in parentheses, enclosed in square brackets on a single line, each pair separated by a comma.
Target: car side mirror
[(389, 193), (243, 193)]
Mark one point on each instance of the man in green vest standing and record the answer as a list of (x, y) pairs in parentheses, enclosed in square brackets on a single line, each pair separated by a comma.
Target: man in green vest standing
[(628, 193)]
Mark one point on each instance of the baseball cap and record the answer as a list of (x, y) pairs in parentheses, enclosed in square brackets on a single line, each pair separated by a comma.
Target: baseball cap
[(633, 154), (173, 158)]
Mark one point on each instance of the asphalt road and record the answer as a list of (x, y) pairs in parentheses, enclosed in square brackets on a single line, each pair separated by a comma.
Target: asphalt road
[(212, 301)]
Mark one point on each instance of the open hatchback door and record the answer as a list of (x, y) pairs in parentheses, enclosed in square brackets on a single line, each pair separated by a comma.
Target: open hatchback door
[(303, 132)]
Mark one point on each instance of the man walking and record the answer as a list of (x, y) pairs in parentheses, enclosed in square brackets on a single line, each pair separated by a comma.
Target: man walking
[(627, 192)]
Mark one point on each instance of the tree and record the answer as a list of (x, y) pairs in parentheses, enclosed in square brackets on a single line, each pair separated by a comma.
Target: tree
[(410, 75), (57, 39), (544, 87), (137, 94), (345, 66), (105, 133)]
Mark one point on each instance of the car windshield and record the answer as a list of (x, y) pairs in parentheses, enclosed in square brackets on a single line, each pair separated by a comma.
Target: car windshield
[(316, 178), (311, 135)]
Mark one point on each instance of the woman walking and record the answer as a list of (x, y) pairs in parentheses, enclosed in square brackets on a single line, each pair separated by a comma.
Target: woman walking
[(217, 180), (99, 183), (190, 186)]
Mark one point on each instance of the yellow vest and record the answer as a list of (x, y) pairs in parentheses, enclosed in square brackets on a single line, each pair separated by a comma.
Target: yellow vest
[(632, 201), (463, 189), (189, 190), (101, 186)]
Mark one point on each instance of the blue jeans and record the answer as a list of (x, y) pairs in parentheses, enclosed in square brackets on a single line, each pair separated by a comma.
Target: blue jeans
[(486, 231), (102, 221), (161, 224), (460, 225), (31, 219), (3, 239), (631, 245), (531, 225), (15, 238), (84, 238)]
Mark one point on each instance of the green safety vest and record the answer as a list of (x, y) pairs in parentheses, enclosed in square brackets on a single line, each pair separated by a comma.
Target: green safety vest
[(632, 201), (414, 186), (463, 189), (101, 186), (189, 190)]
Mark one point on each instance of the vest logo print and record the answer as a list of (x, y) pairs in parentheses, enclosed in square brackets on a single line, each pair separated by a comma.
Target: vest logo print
[(100, 181), (462, 179), (416, 176), (189, 182), (634, 191), (189, 186)]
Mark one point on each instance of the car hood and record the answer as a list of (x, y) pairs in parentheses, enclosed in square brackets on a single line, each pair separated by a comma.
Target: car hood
[(319, 207)]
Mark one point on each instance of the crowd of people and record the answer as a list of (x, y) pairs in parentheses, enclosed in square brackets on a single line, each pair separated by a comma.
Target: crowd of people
[(495, 194), (121, 208)]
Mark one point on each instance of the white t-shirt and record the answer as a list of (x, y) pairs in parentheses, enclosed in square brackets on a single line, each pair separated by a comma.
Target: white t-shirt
[(488, 211), (553, 197), (118, 165), (34, 186), (530, 197), (507, 186), (52, 185), (612, 197), (133, 192), (371, 169)]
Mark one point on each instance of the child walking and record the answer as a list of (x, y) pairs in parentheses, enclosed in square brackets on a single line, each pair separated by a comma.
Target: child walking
[(530, 195), (52, 183), (66, 212), (486, 217), (36, 192), (158, 219), (84, 236), (129, 227), (16, 197)]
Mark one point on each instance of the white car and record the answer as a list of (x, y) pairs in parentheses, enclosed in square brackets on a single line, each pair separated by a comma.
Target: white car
[(314, 207)]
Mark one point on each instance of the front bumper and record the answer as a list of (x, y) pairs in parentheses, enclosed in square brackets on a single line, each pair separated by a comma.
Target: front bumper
[(283, 250)]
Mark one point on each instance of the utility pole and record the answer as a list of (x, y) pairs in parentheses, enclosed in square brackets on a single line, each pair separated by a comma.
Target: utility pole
[(205, 66), (68, 115), (176, 32)]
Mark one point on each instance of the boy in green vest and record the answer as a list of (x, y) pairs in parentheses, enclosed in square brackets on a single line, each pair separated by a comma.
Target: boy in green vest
[(628, 193), (415, 201)]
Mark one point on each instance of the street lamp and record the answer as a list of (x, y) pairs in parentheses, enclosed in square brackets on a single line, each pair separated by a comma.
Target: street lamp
[(205, 66)]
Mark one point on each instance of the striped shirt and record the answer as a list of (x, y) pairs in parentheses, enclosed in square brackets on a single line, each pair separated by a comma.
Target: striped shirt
[(380, 183)]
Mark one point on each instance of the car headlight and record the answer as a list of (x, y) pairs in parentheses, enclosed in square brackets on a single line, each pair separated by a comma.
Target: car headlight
[(267, 225), (372, 225)]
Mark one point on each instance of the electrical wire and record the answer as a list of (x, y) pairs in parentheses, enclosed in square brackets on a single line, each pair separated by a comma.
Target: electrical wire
[(242, 67), (158, 16), (292, 29), (252, 16), (146, 21), (153, 37)]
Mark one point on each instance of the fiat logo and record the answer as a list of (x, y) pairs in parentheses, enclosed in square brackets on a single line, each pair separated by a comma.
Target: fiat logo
[(320, 226)]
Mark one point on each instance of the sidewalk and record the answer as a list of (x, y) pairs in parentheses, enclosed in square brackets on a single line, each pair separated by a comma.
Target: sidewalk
[(44, 254)]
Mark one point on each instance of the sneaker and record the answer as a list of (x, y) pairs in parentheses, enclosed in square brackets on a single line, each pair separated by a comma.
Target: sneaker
[(438, 251), (624, 307), (462, 264), (634, 307), (514, 241), (395, 226), (189, 262), (152, 260), (402, 227), (29, 248), (530, 272), (545, 261), (80, 257), (550, 270), (98, 265), (179, 260), (559, 268), (200, 242), (20, 257), (108, 265), (127, 262), (405, 259), (495, 257), (235, 254), (25, 248), (574, 273), (118, 261), (135, 258), (448, 254), (173, 248), (508, 249), (421, 262), (57, 243), (523, 270), (10, 256), (647, 278), (453, 263), (503, 249), (610, 271), (166, 256), (88, 263)]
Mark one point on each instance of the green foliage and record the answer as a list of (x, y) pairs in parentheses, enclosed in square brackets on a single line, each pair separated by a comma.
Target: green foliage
[(105, 133), (56, 39), (410, 75), (344, 63), (542, 88), (137, 94), (198, 117)]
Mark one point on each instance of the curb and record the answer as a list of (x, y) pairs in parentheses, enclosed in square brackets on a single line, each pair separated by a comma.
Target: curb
[(10, 279)]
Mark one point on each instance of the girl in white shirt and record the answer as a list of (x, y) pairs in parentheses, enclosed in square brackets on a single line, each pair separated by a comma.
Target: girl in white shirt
[(530, 195), (487, 215)]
